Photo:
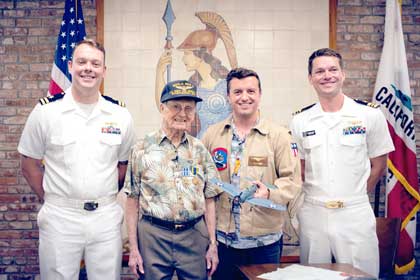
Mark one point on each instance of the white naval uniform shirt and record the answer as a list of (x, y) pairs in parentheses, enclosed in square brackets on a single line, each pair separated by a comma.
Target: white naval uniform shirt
[(337, 149), (80, 153)]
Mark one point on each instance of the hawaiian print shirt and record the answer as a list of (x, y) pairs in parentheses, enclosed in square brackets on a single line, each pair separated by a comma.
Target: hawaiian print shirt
[(171, 182)]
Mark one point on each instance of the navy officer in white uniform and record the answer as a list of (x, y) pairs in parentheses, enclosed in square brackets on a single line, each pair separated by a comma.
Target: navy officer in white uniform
[(343, 145), (84, 140)]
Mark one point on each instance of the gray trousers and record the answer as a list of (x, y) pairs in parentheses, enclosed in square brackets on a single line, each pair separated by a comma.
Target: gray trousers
[(166, 251)]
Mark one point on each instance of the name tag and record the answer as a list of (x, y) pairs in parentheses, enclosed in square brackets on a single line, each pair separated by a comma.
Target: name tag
[(257, 161), (308, 133)]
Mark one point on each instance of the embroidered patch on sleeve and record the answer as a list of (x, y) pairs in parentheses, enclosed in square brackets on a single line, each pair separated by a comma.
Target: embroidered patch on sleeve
[(294, 149), (220, 158)]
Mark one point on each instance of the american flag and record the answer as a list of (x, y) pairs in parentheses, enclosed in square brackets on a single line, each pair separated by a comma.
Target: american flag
[(72, 31)]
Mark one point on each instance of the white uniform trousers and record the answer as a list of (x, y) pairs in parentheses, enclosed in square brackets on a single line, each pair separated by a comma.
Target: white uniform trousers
[(67, 235), (348, 233)]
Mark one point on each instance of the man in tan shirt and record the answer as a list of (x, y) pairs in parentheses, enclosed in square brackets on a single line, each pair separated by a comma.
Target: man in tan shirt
[(247, 146)]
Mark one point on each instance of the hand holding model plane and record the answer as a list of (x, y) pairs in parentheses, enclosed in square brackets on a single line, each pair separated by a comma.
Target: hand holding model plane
[(248, 195)]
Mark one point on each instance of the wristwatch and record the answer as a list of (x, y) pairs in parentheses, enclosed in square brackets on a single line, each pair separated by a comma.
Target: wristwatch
[(213, 242)]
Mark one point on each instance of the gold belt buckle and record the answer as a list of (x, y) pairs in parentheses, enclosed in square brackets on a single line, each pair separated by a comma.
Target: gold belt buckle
[(334, 204)]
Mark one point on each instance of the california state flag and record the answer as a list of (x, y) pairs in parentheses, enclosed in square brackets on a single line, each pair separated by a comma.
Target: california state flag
[(392, 92)]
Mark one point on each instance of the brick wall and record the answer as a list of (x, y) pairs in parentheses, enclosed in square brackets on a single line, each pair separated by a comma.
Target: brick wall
[(28, 31), (28, 34)]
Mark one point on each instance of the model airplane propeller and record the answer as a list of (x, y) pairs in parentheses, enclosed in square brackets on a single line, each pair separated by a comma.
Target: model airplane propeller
[(247, 195)]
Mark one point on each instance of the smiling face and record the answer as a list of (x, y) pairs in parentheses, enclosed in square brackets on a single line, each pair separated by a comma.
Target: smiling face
[(178, 114), (327, 77), (87, 69), (244, 97)]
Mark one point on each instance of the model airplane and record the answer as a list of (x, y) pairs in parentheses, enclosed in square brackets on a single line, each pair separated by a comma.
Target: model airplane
[(247, 195)]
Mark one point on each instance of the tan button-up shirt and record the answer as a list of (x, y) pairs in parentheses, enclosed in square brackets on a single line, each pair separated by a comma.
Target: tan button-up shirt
[(267, 156)]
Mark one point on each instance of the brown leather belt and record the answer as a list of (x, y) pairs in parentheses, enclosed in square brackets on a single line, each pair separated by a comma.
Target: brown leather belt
[(170, 225)]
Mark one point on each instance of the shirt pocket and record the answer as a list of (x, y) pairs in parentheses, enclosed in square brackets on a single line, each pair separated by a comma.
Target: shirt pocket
[(353, 151), (199, 173), (194, 177), (108, 147), (258, 172), (311, 142), (312, 146), (64, 149), (352, 140)]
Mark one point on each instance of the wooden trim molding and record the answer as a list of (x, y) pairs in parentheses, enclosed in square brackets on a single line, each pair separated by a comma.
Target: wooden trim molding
[(100, 21), (100, 37), (333, 24)]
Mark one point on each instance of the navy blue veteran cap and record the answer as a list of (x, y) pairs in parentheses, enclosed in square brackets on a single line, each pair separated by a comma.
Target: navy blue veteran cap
[(179, 89)]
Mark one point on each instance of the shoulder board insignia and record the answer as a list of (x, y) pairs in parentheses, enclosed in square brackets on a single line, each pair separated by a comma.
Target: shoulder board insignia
[(49, 99), (115, 101), (366, 103), (303, 109)]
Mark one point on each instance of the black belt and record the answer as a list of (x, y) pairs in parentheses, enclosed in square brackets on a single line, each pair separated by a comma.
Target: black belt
[(174, 226)]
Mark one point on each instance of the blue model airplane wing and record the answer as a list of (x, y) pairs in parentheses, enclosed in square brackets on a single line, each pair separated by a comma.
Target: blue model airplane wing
[(270, 186), (266, 203), (229, 188), (247, 193)]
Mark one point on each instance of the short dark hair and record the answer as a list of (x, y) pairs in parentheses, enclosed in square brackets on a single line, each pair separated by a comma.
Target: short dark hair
[(324, 52), (241, 73), (91, 43)]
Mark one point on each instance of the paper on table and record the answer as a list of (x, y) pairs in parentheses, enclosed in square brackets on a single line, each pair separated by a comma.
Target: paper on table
[(301, 272)]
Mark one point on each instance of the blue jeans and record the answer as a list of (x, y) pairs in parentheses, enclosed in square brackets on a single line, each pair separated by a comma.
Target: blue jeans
[(230, 258)]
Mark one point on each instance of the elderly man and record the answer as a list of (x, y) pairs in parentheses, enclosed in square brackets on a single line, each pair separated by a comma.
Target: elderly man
[(245, 145), (168, 175), (85, 140), (343, 146)]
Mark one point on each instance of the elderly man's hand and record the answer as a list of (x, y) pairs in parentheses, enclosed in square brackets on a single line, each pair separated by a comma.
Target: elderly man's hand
[(135, 263), (212, 259)]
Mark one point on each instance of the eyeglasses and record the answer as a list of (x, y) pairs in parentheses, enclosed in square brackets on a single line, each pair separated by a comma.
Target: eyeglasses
[(176, 108)]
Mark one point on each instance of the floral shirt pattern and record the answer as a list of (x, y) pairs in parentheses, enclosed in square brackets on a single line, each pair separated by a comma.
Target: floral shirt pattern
[(171, 182)]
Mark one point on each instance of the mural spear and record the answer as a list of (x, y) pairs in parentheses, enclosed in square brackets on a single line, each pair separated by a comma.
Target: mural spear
[(168, 18)]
